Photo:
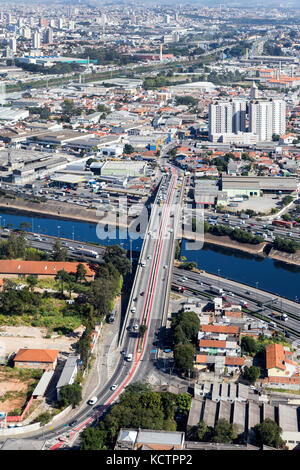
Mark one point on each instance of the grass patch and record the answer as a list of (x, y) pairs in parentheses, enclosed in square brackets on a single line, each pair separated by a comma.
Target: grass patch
[(283, 390)]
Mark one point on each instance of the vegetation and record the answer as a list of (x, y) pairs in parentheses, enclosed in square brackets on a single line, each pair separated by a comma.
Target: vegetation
[(283, 244), (138, 407), (251, 373), (223, 432), (185, 330), (237, 234), (268, 433), (70, 395)]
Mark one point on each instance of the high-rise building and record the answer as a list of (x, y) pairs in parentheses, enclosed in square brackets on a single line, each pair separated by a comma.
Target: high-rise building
[(36, 40), (48, 36), (13, 44), (267, 118), (254, 92), (227, 117)]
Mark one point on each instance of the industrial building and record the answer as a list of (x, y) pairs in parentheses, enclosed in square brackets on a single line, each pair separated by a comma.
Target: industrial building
[(254, 186), (126, 168)]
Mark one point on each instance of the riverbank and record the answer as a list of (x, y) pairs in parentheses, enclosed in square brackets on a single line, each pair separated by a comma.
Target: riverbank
[(291, 258), (57, 210), (227, 242)]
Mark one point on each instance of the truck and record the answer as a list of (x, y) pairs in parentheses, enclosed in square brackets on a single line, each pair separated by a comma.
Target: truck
[(216, 290), (244, 216), (85, 252), (244, 304), (283, 223)]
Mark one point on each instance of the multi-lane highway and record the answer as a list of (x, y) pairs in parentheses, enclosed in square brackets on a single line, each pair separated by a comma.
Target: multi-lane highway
[(146, 306), (261, 302)]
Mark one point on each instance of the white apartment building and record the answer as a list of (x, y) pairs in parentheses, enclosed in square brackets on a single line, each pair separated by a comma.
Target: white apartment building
[(36, 40), (227, 117), (267, 118)]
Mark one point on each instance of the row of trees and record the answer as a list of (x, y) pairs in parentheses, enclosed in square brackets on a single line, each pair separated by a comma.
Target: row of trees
[(283, 244), (138, 407), (185, 326), (266, 433), (237, 234)]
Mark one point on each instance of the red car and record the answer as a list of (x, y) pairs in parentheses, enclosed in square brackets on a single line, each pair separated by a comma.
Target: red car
[(143, 293)]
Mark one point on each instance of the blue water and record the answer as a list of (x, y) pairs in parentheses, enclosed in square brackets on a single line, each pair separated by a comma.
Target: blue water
[(267, 274), (80, 231)]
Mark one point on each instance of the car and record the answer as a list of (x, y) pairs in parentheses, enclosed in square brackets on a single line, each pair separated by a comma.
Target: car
[(123, 352), (165, 266), (135, 299), (92, 401), (133, 310), (129, 358), (142, 293), (114, 387), (200, 283), (248, 292), (72, 423), (135, 327), (129, 328), (149, 257), (231, 293)]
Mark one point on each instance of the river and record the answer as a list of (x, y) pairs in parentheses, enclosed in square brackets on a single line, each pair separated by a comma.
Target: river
[(264, 273)]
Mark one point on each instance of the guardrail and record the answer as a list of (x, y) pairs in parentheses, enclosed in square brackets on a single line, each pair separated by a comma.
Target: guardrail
[(138, 268)]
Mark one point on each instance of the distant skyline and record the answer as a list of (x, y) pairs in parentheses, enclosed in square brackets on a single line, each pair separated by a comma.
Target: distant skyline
[(211, 3)]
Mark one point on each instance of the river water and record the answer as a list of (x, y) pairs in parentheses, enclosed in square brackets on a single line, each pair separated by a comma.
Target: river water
[(267, 274)]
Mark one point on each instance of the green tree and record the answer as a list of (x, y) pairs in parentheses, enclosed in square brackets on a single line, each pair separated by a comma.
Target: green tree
[(70, 395), (268, 433), (184, 356), (183, 401), (62, 277), (142, 330), (252, 373), (248, 345), (59, 253), (80, 272), (93, 439), (224, 431), (128, 149), (202, 431), (32, 281)]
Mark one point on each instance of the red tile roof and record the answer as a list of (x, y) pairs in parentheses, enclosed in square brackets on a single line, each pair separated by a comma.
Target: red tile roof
[(220, 329), (36, 355), (275, 356), (234, 361), (210, 343), (9, 266)]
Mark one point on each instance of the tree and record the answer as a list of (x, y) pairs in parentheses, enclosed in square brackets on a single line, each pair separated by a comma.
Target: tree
[(252, 373), (202, 430), (184, 356), (224, 431), (248, 344), (80, 272), (32, 281), (183, 401), (128, 149), (93, 439), (142, 330), (70, 395), (268, 433), (59, 253), (117, 256), (62, 277)]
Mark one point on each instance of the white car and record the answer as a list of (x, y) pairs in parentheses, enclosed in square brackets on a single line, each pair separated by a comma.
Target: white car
[(135, 327), (114, 387), (133, 310), (129, 358), (92, 401)]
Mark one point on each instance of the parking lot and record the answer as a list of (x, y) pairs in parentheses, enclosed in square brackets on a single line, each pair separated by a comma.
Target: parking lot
[(259, 204)]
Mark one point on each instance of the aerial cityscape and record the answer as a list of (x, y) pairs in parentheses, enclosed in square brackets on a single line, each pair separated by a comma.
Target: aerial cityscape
[(150, 227)]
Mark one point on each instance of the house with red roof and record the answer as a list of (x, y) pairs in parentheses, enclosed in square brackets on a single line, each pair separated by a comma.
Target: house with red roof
[(36, 358)]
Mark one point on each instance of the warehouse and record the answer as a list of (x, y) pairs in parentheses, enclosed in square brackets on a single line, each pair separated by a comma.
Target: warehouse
[(257, 185), (126, 168)]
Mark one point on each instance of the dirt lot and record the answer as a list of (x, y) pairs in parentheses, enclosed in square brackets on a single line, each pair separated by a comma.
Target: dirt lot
[(14, 386), (13, 338)]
